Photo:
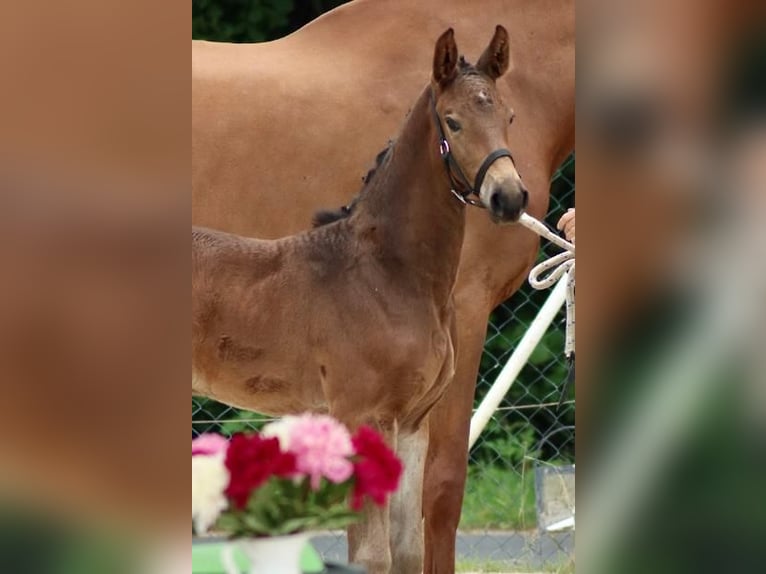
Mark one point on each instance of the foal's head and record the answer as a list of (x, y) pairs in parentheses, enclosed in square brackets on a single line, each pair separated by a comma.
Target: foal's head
[(475, 123)]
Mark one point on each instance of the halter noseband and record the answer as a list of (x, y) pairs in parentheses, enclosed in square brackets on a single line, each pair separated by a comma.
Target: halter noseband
[(453, 169)]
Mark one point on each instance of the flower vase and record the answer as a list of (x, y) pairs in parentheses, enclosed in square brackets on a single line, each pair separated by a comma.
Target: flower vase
[(270, 555)]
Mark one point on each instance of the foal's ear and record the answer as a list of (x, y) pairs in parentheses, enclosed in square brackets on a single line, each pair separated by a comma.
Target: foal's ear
[(445, 58), (496, 58)]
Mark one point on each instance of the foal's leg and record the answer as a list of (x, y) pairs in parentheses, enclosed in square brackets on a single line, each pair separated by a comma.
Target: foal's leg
[(368, 540), (406, 504)]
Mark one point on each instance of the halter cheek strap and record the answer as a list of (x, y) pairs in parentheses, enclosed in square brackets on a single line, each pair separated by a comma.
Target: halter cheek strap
[(457, 178)]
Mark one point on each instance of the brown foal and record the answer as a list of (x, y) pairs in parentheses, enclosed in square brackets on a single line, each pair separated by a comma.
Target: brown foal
[(356, 317)]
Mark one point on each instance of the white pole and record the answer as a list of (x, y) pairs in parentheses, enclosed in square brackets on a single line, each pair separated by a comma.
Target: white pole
[(518, 359)]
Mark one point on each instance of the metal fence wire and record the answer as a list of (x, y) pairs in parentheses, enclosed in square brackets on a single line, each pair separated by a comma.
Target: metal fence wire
[(499, 522)]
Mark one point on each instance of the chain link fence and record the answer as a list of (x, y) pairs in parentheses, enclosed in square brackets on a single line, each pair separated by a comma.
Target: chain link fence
[(532, 430), (529, 431)]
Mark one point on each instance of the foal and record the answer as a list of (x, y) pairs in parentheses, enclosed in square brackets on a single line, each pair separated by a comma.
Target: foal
[(356, 317)]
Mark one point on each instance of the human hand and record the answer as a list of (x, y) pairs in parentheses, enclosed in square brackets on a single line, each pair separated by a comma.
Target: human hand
[(567, 224)]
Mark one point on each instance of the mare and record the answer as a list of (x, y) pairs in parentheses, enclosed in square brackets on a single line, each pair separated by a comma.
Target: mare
[(295, 122), (356, 317)]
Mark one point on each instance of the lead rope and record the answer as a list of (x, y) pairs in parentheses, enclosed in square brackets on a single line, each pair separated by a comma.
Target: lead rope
[(556, 267)]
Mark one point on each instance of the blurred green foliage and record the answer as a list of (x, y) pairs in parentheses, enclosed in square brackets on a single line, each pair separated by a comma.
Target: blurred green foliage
[(253, 20), (35, 542)]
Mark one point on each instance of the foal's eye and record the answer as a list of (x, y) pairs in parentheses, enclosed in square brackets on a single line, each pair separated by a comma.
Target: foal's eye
[(453, 125)]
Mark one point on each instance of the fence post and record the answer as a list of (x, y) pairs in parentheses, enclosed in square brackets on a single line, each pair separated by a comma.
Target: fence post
[(516, 362)]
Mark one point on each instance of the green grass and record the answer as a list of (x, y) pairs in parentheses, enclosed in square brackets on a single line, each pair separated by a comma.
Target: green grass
[(498, 499), (481, 566)]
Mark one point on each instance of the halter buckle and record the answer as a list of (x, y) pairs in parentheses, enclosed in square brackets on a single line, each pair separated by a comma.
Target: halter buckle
[(444, 149), (462, 199), (474, 202)]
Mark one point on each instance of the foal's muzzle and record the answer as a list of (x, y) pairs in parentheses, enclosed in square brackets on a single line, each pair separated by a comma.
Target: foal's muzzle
[(506, 203)]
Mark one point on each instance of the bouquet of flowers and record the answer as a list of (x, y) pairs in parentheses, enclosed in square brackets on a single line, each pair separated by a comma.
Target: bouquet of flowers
[(298, 474)]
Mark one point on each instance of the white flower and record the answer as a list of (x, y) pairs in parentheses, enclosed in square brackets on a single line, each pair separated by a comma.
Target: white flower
[(280, 429), (209, 480)]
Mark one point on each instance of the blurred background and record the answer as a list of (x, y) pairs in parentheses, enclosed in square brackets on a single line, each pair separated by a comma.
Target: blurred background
[(671, 149), (670, 141), (253, 20)]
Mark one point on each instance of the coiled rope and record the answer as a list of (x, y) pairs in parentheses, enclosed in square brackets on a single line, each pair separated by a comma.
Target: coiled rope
[(544, 275)]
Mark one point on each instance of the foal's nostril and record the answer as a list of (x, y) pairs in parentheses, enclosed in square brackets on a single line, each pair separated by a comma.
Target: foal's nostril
[(505, 205), (495, 202), (524, 198)]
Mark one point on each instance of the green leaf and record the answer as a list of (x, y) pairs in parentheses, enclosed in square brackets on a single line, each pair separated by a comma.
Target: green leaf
[(256, 524), (228, 522), (295, 525)]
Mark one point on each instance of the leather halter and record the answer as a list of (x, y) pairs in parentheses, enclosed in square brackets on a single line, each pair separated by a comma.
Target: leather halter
[(460, 186)]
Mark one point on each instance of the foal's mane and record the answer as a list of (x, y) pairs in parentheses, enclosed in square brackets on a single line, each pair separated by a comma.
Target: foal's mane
[(327, 216)]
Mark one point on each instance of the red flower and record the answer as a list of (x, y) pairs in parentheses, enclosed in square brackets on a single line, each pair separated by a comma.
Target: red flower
[(251, 461), (377, 469)]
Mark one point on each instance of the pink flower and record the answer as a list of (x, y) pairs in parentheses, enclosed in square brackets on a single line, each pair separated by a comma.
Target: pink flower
[(322, 447), (209, 443)]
